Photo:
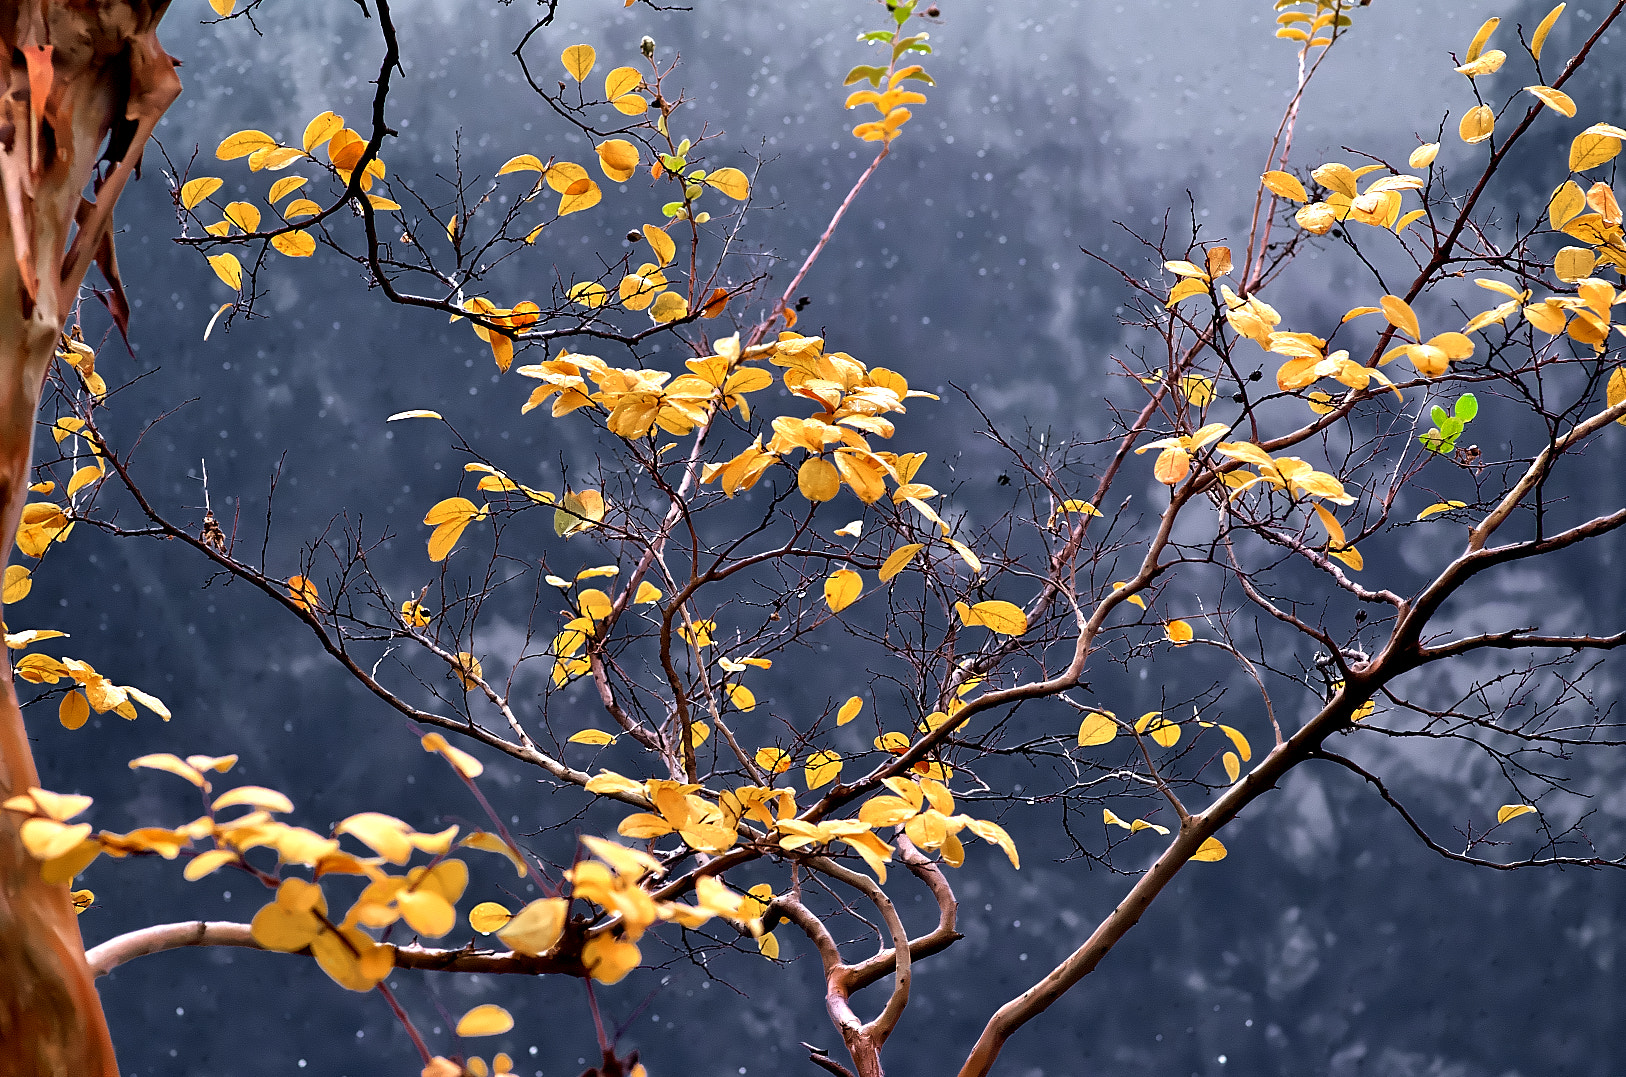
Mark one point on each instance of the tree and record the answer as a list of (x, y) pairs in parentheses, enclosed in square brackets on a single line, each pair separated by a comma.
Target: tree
[(698, 549)]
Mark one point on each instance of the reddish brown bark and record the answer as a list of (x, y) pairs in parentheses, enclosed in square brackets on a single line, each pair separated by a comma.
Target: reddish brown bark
[(85, 82)]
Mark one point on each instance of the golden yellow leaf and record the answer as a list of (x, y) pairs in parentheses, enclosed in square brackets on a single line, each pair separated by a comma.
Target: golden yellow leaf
[(621, 81), (773, 760), (849, 710), (485, 1020), (297, 244), (1401, 316), (742, 697), (818, 479), (1478, 123), (535, 928), (661, 243), (243, 143), (898, 560), (1557, 100), (223, 7), (195, 191), (283, 188), (578, 61), (1005, 618), (1481, 36), (1512, 811), (19, 581), (631, 104), (669, 307), (1593, 147), (1285, 185), (1179, 632), (461, 761), (228, 269), (303, 593), (821, 769), (300, 207), (842, 588), (488, 916), (1097, 728), (609, 959), (323, 126), (468, 671), (1539, 38), (1242, 746), (1210, 851), (591, 736), (1233, 767), (731, 182), (1160, 729), (525, 162), (1446, 506), (1571, 264), (618, 158), (243, 214), (586, 198), (253, 796)]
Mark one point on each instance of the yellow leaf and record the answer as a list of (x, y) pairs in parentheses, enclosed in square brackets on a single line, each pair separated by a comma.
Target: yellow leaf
[(647, 594), (661, 243), (842, 588), (773, 760), (898, 560), (1179, 632), (1481, 36), (1210, 851), (818, 479), (485, 1020), (849, 710), (1160, 729), (1512, 811), (1557, 100), (283, 188), (821, 769), (416, 413), (1592, 148), (631, 105), (1285, 185), (669, 307), (1005, 618), (1477, 124), (591, 736), (525, 162), (300, 207), (742, 697), (1097, 728), (73, 711), (19, 581), (468, 670), (1446, 506), (83, 477), (1539, 38), (243, 143), (253, 796), (1423, 156), (303, 593), (618, 158), (536, 927), (1616, 390), (222, 7), (1233, 767), (587, 198), (1401, 316), (228, 269), (731, 182), (322, 127), (621, 81), (243, 214), (578, 61), (1571, 264), (1488, 64), (298, 244), (195, 191), (488, 916), (1243, 748)]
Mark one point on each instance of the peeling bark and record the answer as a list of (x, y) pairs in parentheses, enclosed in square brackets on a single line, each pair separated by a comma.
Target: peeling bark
[(82, 85)]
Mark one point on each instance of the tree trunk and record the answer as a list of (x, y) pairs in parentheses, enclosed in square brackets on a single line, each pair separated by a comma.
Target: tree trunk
[(85, 83)]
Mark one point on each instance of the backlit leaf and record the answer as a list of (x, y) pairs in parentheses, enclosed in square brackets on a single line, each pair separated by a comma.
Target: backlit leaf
[(842, 588), (1233, 767), (1006, 618), (821, 769), (1423, 156), (661, 243), (525, 162), (296, 244), (849, 710), (1444, 506), (303, 593), (1512, 811), (322, 127), (731, 182), (1481, 36), (195, 191), (898, 560), (1539, 38), (578, 61), (228, 269), (1592, 148), (1178, 631), (1285, 185), (485, 1020), (243, 143), (1616, 390), (1097, 728), (773, 760), (488, 916), (591, 736), (1401, 316), (621, 81), (1210, 851)]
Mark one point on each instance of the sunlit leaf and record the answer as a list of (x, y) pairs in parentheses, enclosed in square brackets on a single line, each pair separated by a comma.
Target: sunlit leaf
[(1539, 38), (591, 736), (1423, 156), (1557, 100), (1097, 728), (1233, 766), (1209, 851), (821, 769), (842, 588), (1478, 124), (773, 760), (1178, 632), (303, 593), (296, 244), (849, 710), (485, 1020), (488, 916), (228, 269), (1512, 811), (243, 143), (578, 61), (898, 560), (1005, 618), (195, 191), (731, 182), (1285, 185)]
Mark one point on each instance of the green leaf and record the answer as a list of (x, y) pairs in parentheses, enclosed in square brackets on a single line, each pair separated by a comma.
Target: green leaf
[(1467, 407), (1437, 413)]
